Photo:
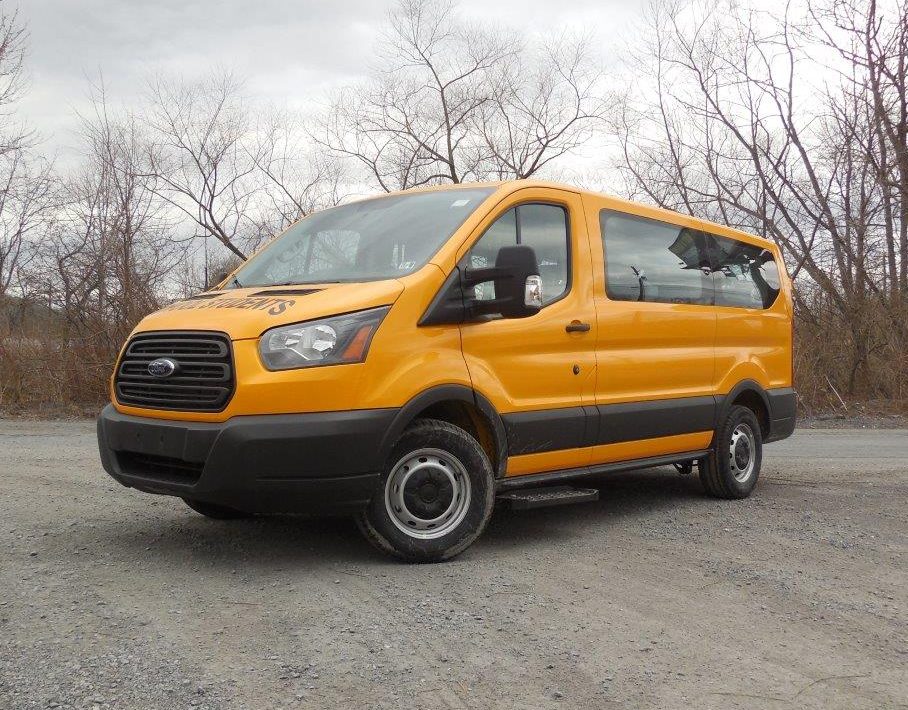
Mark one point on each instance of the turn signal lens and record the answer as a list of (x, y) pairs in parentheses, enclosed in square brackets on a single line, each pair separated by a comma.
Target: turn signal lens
[(355, 351)]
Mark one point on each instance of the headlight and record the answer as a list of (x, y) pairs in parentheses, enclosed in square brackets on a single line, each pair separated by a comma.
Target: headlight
[(330, 341)]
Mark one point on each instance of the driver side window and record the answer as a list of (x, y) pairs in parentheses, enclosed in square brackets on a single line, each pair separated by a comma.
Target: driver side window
[(543, 227)]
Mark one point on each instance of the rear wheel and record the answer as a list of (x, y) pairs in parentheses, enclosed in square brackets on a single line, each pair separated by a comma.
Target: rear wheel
[(733, 468), (217, 512), (436, 496)]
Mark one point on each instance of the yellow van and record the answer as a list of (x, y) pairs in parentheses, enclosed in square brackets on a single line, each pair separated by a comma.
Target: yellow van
[(413, 357)]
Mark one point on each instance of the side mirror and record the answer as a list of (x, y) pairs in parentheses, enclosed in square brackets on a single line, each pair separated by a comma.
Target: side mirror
[(518, 286), (518, 290)]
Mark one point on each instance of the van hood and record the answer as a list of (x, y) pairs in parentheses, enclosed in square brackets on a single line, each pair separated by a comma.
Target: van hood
[(248, 312)]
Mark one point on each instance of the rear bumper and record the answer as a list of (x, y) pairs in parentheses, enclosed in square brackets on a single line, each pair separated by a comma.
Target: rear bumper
[(783, 405), (326, 462)]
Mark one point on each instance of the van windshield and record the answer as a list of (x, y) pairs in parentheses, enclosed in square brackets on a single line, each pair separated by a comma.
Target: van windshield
[(380, 238)]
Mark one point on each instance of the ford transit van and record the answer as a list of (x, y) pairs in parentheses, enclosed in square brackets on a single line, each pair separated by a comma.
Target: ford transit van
[(410, 358)]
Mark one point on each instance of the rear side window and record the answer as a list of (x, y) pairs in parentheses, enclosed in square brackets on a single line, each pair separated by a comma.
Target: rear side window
[(744, 275), (543, 227), (647, 260)]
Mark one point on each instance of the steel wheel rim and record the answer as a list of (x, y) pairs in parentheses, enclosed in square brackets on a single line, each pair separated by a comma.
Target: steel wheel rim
[(742, 453), (427, 494)]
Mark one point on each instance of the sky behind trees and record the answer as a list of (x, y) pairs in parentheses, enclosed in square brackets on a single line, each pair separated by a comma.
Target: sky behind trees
[(290, 53)]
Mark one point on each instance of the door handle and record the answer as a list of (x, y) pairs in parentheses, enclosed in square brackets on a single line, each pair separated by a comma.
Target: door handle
[(575, 326)]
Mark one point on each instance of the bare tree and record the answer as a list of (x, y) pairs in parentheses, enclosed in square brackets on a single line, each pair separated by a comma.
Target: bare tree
[(296, 180), (111, 251), (26, 182), (12, 80), (26, 200), (201, 160), (545, 105), (104, 263), (731, 124), (452, 102), (238, 174), (872, 37), (412, 124)]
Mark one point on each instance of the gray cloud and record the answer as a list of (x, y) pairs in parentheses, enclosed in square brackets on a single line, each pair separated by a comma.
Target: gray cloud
[(289, 50)]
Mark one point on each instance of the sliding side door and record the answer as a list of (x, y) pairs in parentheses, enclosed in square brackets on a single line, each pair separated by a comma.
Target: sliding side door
[(656, 331)]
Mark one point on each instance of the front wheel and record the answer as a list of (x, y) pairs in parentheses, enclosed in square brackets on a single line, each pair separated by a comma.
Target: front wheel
[(436, 496), (731, 471)]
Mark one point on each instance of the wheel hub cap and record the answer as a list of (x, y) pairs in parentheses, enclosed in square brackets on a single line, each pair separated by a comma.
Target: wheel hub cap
[(741, 452), (427, 493)]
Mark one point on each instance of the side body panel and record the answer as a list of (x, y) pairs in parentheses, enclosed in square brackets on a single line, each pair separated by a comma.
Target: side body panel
[(755, 344), (750, 344)]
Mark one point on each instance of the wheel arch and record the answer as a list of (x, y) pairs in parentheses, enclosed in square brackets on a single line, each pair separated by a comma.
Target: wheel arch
[(459, 405), (750, 394)]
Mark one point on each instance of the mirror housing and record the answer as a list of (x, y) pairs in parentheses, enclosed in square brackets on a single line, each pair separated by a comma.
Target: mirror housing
[(518, 290), (518, 287)]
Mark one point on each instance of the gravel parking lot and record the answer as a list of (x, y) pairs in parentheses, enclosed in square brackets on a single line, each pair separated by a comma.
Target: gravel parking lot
[(655, 596)]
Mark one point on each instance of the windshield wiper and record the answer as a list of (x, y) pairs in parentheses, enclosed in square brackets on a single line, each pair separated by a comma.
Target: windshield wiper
[(302, 283)]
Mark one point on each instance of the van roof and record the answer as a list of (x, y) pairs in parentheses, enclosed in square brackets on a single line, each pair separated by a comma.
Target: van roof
[(606, 202)]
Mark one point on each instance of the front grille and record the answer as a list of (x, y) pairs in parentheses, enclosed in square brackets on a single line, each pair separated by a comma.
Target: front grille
[(202, 382), (159, 468)]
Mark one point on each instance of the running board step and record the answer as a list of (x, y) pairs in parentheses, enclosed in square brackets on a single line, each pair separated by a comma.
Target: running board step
[(526, 498)]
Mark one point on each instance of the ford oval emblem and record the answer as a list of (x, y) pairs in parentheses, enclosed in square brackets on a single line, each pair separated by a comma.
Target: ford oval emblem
[(162, 367)]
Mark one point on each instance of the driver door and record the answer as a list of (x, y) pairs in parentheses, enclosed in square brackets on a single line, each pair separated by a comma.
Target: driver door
[(539, 372)]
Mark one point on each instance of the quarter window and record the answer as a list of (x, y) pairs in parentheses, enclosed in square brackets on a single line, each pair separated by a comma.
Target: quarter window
[(543, 227), (744, 275)]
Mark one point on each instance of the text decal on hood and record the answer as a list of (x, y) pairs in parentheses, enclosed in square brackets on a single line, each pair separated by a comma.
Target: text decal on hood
[(273, 306)]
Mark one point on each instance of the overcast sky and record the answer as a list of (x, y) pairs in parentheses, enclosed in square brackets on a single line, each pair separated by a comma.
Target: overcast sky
[(289, 51)]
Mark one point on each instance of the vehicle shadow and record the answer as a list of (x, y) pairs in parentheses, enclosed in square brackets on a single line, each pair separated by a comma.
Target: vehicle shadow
[(623, 496), (168, 533)]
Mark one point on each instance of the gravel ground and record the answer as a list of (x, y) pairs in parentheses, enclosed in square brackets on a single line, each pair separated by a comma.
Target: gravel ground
[(853, 421), (655, 596)]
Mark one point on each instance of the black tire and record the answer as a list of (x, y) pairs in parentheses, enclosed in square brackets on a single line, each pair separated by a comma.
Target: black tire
[(217, 512), (435, 469), (724, 473)]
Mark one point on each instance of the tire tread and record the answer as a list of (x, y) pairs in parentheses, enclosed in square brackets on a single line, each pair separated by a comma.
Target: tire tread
[(713, 471), (449, 437)]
